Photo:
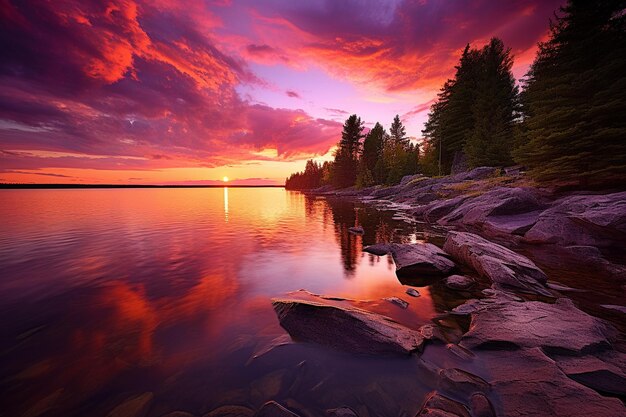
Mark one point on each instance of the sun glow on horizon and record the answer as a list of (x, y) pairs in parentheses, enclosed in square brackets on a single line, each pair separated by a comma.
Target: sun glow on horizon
[(225, 179)]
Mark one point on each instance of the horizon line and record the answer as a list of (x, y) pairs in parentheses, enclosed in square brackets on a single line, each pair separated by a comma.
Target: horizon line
[(61, 186)]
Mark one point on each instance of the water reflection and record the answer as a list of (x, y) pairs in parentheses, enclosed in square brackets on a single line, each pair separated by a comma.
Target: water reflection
[(107, 294), (226, 204)]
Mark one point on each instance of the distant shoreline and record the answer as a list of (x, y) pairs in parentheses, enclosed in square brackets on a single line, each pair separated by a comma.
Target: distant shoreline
[(80, 186)]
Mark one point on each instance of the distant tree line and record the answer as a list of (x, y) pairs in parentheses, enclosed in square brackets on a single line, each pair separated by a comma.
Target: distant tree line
[(567, 124), (362, 160)]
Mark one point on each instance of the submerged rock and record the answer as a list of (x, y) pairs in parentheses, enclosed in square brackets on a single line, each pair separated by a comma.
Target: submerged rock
[(528, 383), (423, 259), (505, 268), (412, 292), (273, 409), (397, 301), (458, 282), (349, 329), (357, 230), (558, 327), (437, 405)]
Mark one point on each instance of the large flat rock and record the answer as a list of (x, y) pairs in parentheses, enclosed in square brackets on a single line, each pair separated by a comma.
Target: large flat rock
[(505, 268), (558, 327), (348, 329), (528, 383), (418, 259)]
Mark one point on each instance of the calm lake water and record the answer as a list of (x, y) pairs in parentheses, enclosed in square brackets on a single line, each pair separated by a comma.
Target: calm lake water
[(111, 293)]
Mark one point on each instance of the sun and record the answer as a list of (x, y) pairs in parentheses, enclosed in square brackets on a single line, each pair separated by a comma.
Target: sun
[(225, 179)]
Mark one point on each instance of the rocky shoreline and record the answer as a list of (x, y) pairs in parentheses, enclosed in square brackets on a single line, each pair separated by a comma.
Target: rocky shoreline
[(540, 354)]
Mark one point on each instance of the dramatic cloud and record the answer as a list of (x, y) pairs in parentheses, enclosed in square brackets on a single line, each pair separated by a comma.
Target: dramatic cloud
[(133, 85)]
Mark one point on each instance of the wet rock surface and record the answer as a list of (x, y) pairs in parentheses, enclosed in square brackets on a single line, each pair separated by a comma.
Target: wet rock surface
[(505, 268), (423, 259), (348, 329)]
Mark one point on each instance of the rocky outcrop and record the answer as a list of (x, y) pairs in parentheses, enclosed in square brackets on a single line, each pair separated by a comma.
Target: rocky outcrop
[(421, 259), (560, 327), (528, 383), (348, 329), (500, 211), (505, 268), (596, 220)]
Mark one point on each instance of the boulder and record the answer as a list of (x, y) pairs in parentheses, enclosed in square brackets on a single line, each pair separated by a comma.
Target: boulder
[(436, 405), (559, 327), (348, 329), (422, 259), (593, 220), (273, 409), (505, 268), (528, 383), (458, 282)]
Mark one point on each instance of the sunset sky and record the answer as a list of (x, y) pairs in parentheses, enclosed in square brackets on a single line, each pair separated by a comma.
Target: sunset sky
[(126, 91)]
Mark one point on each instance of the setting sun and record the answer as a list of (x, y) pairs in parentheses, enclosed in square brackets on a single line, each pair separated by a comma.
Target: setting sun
[(225, 179)]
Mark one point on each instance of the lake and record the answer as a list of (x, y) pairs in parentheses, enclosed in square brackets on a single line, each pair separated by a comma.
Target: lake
[(107, 294)]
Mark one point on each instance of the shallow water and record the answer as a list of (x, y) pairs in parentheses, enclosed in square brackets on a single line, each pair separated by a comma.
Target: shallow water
[(110, 293)]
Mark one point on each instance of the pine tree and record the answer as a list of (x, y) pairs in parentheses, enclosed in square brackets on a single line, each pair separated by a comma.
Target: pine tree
[(451, 119), (347, 154), (494, 111), (397, 132), (574, 98), (373, 147)]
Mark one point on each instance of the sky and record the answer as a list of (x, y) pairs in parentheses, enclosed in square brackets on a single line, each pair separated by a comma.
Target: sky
[(188, 92)]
